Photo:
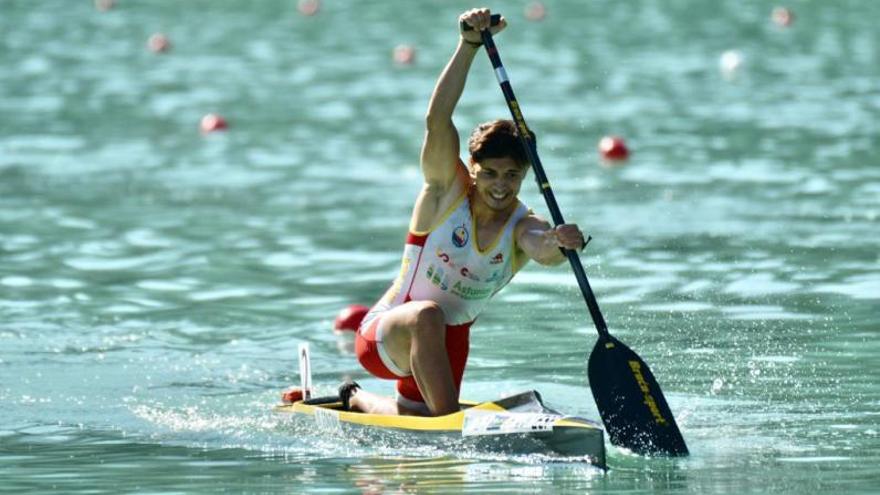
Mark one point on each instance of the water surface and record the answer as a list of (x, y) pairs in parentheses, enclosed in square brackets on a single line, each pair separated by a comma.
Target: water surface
[(155, 283)]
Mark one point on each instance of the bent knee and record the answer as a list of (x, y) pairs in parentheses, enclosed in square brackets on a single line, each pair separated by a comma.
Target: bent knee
[(428, 316)]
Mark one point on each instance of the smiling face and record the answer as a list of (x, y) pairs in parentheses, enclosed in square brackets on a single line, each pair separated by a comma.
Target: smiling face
[(497, 182)]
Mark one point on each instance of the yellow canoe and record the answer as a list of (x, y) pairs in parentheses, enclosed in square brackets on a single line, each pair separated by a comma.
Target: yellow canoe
[(519, 424)]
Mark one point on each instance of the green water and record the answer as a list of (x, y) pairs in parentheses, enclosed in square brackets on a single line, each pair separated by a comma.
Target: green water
[(155, 283)]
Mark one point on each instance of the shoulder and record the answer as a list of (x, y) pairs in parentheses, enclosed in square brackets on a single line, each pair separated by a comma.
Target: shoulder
[(439, 191), (435, 201), (524, 237)]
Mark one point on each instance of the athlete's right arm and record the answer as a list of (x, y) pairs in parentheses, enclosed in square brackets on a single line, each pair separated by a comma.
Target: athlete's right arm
[(440, 150)]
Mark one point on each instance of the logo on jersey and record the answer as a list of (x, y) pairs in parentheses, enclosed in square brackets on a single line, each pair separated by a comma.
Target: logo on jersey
[(445, 257), (498, 258), (467, 273), (460, 236), (437, 277)]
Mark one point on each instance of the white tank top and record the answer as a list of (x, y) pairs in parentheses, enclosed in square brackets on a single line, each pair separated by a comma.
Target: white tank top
[(445, 265)]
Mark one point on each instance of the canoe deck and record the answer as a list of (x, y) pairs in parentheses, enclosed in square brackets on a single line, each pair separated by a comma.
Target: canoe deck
[(518, 424)]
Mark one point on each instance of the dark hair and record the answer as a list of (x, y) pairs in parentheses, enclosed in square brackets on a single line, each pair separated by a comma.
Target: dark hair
[(497, 139)]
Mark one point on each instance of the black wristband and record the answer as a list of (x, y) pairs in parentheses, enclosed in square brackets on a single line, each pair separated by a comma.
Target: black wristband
[(473, 43)]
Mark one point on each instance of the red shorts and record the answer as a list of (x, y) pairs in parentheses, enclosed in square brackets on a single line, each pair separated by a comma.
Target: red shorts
[(369, 352)]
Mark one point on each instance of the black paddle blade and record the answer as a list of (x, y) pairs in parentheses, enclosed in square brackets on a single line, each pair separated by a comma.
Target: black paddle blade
[(630, 402)]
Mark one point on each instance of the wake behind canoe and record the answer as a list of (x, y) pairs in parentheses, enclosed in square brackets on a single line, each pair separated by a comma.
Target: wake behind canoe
[(519, 424)]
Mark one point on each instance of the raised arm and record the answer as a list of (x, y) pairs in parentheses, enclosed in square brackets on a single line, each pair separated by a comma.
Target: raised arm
[(440, 150)]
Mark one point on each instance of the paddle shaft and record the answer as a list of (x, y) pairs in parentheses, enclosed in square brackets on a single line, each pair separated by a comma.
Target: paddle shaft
[(541, 178), (629, 399)]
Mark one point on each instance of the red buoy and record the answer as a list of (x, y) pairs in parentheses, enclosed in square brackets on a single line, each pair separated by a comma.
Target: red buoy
[(613, 148), (350, 318), (536, 11), (212, 123), (104, 5), (782, 17), (158, 43), (404, 54), (308, 7)]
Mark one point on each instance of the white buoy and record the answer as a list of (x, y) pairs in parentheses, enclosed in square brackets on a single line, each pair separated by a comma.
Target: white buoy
[(730, 63)]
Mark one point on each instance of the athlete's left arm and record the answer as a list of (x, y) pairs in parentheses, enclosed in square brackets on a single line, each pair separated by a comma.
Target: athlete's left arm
[(540, 241)]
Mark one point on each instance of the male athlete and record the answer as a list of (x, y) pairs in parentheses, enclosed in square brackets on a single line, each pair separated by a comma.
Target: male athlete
[(469, 234)]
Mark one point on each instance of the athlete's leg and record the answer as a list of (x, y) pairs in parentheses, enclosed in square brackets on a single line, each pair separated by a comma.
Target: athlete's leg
[(370, 403), (371, 353), (414, 337)]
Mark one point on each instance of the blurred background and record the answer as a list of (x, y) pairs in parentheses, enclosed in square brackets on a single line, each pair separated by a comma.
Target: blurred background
[(189, 190)]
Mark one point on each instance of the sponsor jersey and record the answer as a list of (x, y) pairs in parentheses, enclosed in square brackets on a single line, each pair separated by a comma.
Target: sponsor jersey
[(446, 266)]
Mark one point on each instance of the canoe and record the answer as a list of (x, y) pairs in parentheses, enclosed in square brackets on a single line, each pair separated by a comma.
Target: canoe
[(518, 424)]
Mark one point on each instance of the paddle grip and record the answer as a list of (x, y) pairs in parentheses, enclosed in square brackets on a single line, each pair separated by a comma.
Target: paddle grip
[(494, 19)]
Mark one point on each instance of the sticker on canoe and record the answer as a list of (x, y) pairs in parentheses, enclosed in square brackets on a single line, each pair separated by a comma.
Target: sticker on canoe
[(499, 423)]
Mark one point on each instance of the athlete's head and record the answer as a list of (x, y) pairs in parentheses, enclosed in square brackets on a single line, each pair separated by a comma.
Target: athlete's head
[(497, 139), (498, 163)]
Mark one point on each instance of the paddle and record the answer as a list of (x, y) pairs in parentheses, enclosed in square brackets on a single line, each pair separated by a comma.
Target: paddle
[(627, 395)]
